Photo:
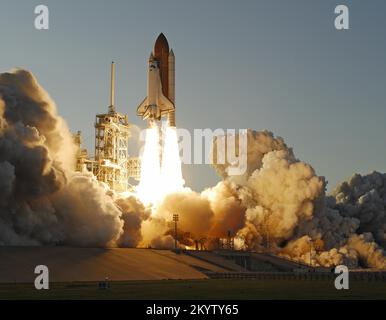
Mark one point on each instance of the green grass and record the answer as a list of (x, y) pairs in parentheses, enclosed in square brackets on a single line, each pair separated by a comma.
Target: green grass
[(199, 289)]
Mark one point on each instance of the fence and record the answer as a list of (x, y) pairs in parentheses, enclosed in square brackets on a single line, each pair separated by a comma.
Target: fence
[(356, 276)]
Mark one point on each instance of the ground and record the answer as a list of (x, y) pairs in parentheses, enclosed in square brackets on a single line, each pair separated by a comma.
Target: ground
[(199, 289)]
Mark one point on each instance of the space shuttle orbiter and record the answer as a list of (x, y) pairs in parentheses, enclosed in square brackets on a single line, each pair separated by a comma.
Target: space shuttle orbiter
[(160, 85)]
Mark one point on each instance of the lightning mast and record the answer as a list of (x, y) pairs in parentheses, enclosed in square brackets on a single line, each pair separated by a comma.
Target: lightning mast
[(112, 89), (111, 144)]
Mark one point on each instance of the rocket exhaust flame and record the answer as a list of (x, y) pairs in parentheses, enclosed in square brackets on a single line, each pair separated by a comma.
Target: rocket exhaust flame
[(171, 175), (148, 189), (157, 181)]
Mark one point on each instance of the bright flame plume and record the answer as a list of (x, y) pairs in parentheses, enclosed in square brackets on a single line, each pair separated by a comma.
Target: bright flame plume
[(156, 180), (171, 174), (149, 188)]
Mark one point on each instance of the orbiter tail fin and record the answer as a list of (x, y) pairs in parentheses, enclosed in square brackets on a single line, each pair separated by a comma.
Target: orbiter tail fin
[(142, 108)]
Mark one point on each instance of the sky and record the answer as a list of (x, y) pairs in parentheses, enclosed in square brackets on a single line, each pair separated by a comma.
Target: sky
[(263, 64)]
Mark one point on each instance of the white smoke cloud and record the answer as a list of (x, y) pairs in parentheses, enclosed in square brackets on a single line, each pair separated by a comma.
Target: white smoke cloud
[(42, 200), (364, 198), (287, 211), (258, 145), (133, 213)]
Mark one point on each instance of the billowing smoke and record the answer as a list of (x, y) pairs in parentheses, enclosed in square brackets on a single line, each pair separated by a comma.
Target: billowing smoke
[(288, 212), (278, 205), (364, 198), (203, 217), (195, 216), (258, 145), (133, 212), (42, 199)]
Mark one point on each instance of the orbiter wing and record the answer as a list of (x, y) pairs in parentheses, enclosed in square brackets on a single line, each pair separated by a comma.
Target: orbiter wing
[(165, 105)]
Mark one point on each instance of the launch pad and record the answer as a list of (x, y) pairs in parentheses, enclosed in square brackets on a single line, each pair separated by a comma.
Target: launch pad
[(111, 163)]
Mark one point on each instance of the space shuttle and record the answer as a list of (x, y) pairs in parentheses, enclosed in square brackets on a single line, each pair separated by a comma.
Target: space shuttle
[(160, 100)]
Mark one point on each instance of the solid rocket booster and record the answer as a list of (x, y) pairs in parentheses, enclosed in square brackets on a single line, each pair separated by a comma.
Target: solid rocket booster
[(171, 91), (160, 100)]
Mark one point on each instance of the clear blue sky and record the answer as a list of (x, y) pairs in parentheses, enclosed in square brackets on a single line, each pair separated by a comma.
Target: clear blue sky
[(276, 65)]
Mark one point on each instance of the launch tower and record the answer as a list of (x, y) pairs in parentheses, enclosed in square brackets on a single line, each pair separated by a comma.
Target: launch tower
[(111, 143)]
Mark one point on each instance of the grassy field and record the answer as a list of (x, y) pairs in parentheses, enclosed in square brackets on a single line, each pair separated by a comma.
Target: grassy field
[(199, 289)]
